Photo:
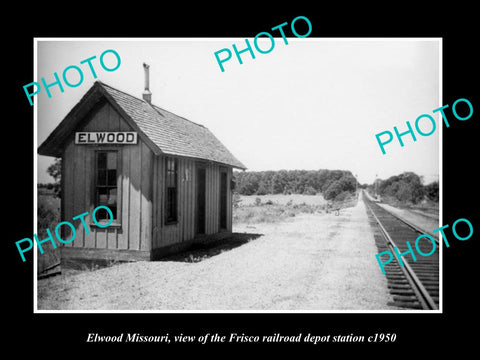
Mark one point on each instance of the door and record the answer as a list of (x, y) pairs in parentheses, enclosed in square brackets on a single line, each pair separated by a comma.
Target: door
[(223, 200), (201, 200)]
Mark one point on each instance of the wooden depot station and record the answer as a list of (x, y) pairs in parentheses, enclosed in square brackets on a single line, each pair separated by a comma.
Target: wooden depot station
[(167, 180)]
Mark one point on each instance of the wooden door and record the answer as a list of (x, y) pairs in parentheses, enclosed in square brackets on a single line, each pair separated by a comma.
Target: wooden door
[(200, 201), (223, 200)]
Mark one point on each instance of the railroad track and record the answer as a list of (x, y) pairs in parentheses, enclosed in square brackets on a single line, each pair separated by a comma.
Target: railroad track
[(416, 285)]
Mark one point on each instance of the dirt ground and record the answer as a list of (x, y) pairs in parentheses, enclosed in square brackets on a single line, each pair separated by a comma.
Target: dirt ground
[(309, 262)]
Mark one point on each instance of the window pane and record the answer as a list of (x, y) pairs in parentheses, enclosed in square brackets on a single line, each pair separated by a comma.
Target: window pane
[(171, 190), (101, 160), (102, 196), (171, 173), (101, 214), (106, 185), (101, 177), (112, 177), (112, 197), (114, 211), (111, 160), (171, 204)]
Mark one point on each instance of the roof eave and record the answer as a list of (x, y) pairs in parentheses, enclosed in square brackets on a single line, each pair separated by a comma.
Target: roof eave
[(55, 142)]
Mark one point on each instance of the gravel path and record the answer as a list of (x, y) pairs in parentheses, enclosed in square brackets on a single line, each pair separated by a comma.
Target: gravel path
[(427, 223), (311, 262)]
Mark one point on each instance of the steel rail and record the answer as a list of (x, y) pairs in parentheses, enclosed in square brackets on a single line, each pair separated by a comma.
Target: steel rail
[(420, 291), (414, 227)]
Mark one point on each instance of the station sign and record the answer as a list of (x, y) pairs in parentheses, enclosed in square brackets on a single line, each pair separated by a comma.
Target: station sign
[(106, 137)]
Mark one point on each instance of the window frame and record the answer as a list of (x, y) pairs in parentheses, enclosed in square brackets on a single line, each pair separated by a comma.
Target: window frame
[(169, 220), (117, 221)]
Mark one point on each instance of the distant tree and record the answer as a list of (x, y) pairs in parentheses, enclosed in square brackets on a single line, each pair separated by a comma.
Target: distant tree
[(432, 191), (55, 171), (343, 196), (406, 187), (348, 182), (333, 190), (263, 188), (247, 182), (279, 180), (294, 182)]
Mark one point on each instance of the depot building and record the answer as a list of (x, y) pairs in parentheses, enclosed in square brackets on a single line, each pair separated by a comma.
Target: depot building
[(167, 180)]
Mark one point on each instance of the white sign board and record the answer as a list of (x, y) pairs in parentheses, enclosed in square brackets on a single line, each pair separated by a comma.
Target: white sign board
[(106, 137)]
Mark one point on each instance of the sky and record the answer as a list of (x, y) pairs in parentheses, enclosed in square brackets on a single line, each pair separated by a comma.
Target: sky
[(313, 104)]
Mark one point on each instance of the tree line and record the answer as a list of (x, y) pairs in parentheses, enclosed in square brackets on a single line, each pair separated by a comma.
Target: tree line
[(333, 184), (406, 187)]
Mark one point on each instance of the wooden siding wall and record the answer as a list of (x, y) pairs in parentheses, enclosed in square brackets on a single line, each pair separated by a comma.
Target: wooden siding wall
[(184, 229), (134, 181)]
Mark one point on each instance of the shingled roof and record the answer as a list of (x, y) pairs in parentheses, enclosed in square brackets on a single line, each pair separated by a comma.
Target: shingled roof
[(162, 130)]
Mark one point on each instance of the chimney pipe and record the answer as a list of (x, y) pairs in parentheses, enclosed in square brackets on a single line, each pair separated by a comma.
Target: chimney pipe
[(147, 95)]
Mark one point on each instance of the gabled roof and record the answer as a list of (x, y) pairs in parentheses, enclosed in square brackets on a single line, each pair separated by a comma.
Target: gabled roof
[(163, 131)]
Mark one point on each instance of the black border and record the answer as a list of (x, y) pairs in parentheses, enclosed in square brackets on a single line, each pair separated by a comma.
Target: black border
[(415, 332)]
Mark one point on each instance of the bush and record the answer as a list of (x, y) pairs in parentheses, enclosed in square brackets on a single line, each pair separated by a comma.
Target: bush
[(432, 191), (257, 213), (333, 190), (236, 200), (47, 219), (406, 188), (344, 195), (262, 189)]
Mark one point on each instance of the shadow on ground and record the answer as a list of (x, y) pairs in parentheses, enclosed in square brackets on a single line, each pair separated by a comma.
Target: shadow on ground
[(198, 252), (195, 253)]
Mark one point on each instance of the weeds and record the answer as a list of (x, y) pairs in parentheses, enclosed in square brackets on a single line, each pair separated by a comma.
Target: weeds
[(268, 211), (48, 217)]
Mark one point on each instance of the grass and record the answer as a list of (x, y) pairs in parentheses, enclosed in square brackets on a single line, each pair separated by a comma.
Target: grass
[(281, 199), (48, 216), (426, 206), (275, 208)]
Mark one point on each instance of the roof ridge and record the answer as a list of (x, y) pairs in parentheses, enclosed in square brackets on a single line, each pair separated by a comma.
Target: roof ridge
[(155, 107), (114, 88)]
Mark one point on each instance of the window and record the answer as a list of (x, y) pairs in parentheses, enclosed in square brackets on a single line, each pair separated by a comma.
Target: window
[(106, 191), (170, 190)]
